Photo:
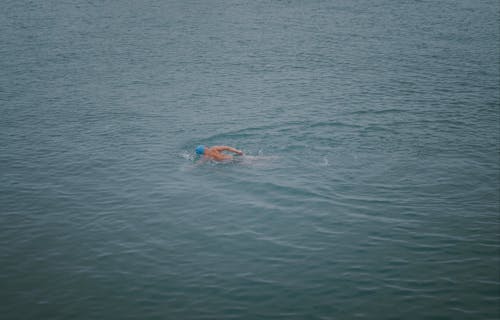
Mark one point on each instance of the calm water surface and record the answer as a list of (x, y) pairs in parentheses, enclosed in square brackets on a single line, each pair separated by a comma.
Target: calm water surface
[(372, 191)]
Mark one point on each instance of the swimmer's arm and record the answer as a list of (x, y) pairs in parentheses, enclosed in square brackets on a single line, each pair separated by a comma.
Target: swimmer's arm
[(226, 148), (201, 161)]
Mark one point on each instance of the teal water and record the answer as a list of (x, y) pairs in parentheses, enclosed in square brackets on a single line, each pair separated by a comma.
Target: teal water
[(373, 191)]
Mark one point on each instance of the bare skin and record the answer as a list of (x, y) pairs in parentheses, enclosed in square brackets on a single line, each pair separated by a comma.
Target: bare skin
[(215, 153)]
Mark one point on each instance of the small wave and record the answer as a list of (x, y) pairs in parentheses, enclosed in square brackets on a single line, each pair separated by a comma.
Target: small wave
[(255, 131), (330, 124), (383, 111)]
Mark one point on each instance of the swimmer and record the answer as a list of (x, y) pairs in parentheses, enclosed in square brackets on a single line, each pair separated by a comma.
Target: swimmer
[(215, 153)]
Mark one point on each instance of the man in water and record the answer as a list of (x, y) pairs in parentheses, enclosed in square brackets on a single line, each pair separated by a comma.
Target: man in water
[(215, 153)]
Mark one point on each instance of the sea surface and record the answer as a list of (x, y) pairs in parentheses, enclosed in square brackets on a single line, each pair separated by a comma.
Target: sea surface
[(370, 189)]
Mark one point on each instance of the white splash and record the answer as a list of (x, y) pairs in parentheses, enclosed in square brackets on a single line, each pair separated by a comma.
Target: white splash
[(325, 162), (186, 155)]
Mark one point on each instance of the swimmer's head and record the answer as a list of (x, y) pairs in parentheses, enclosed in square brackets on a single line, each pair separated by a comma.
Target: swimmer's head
[(200, 149)]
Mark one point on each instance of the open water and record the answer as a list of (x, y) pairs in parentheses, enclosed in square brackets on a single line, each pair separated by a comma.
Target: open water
[(372, 190)]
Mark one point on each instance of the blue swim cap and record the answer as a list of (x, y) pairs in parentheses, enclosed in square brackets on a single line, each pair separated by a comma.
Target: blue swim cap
[(200, 149)]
